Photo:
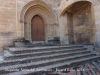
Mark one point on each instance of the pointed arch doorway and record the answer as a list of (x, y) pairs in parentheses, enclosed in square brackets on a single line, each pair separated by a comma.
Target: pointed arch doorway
[(37, 29)]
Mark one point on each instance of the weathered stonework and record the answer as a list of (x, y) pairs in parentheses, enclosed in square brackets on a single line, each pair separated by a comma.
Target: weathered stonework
[(59, 19), (7, 22), (65, 5)]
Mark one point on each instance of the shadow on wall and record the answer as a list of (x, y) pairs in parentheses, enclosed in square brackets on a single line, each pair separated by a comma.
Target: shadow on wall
[(79, 22)]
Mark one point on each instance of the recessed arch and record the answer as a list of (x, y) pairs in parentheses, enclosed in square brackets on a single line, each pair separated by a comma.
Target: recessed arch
[(65, 5), (40, 10), (38, 4), (33, 8), (78, 22)]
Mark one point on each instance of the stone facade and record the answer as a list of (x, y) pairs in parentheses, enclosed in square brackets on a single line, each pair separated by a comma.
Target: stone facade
[(8, 28), (94, 14), (59, 16)]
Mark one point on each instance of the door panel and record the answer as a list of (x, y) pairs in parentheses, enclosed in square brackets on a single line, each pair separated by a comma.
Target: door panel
[(41, 29), (34, 29), (38, 30)]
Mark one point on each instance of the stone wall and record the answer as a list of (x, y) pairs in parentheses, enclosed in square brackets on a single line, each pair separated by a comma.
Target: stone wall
[(83, 25), (7, 22), (97, 23), (65, 5)]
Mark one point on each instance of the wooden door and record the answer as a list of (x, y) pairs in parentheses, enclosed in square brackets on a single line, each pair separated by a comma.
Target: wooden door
[(37, 29)]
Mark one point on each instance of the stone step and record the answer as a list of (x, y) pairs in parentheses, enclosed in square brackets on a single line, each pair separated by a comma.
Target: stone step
[(42, 63), (24, 72), (44, 50), (80, 70), (39, 58), (25, 55), (54, 50), (48, 57), (26, 50)]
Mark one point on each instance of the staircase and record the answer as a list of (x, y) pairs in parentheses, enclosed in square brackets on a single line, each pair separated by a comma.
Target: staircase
[(23, 61)]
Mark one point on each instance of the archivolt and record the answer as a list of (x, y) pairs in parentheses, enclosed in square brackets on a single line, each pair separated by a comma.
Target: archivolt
[(65, 5), (37, 7)]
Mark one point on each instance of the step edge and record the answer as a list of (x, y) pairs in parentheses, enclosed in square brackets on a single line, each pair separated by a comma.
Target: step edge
[(27, 72), (43, 62)]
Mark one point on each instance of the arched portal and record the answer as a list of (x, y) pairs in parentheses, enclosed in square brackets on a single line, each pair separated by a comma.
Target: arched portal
[(37, 29), (45, 15), (79, 23)]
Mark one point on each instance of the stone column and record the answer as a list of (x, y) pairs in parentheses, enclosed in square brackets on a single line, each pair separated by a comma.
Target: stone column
[(97, 24), (63, 29), (50, 31), (20, 29)]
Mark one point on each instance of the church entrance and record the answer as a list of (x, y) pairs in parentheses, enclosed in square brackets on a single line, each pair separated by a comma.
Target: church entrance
[(37, 29)]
